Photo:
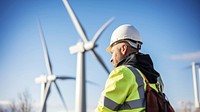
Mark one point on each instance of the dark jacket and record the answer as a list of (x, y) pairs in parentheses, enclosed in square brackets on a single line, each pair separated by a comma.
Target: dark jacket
[(144, 63)]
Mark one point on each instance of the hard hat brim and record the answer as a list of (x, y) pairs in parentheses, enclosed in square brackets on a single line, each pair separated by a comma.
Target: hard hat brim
[(114, 43), (108, 49)]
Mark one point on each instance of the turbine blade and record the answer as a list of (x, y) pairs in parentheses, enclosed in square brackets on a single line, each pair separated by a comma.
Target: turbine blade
[(76, 22), (65, 77), (93, 83), (45, 51), (100, 60), (47, 92), (61, 96), (188, 67), (73, 78), (100, 31)]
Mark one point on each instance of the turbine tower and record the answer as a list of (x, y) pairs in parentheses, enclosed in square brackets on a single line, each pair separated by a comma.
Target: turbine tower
[(195, 83), (46, 80), (80, 48)]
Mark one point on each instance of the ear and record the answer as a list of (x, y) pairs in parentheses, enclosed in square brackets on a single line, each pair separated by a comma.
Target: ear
[(124, 49)]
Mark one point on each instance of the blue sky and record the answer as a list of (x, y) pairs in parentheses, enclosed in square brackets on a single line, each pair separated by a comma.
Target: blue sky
[(169, 29)]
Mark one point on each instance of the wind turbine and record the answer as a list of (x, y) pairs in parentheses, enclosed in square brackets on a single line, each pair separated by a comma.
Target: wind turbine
[(80, 48), (195, 83), (46, 80)]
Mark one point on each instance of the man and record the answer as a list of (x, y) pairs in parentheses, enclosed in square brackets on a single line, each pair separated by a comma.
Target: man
[(125, 87)]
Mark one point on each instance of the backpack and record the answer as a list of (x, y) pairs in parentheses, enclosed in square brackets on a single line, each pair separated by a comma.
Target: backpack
[(156, 101)]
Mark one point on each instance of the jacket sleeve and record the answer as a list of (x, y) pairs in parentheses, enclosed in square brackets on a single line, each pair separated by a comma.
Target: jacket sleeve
[(116, 90)]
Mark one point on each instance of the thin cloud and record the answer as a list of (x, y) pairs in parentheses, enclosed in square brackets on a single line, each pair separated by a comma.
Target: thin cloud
[(186, 56)]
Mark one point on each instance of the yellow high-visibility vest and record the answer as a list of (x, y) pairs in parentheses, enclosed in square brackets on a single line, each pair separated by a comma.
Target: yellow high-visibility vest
[(124, 91)]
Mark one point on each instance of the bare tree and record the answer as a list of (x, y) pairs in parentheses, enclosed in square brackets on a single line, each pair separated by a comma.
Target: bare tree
[(23, 103), (13, 107)]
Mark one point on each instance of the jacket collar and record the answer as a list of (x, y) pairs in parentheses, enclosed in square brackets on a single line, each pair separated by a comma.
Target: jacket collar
[(144, 63)]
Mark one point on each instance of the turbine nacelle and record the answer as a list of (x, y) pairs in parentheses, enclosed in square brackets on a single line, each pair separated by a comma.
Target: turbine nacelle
[(45, 78), (89, 45), (81, 47)]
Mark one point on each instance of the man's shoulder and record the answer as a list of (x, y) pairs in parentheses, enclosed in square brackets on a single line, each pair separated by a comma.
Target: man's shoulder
[(122, 70), (121, 74)]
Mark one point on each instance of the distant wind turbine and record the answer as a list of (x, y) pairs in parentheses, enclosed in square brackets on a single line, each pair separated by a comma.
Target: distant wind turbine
[(195, 84), (46, 80), (80, 48)]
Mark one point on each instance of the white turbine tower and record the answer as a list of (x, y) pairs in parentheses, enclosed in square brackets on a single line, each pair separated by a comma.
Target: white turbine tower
[(46, 80), (195, 84), (80, 48)]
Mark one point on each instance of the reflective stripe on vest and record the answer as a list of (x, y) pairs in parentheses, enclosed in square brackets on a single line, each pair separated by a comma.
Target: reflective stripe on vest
[(139, 80), (133, 104)]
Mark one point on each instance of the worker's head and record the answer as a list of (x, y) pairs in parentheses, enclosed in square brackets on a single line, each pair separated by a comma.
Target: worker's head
[(124, 40)]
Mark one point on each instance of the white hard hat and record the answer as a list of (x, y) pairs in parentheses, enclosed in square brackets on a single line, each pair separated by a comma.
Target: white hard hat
[(126, 33)]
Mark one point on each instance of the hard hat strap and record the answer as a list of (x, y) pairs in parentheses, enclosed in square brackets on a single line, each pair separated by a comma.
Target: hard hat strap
[(138, 43), (129, 41)]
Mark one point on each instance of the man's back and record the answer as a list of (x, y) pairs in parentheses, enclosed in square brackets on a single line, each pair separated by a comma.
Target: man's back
[(124, 91)]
